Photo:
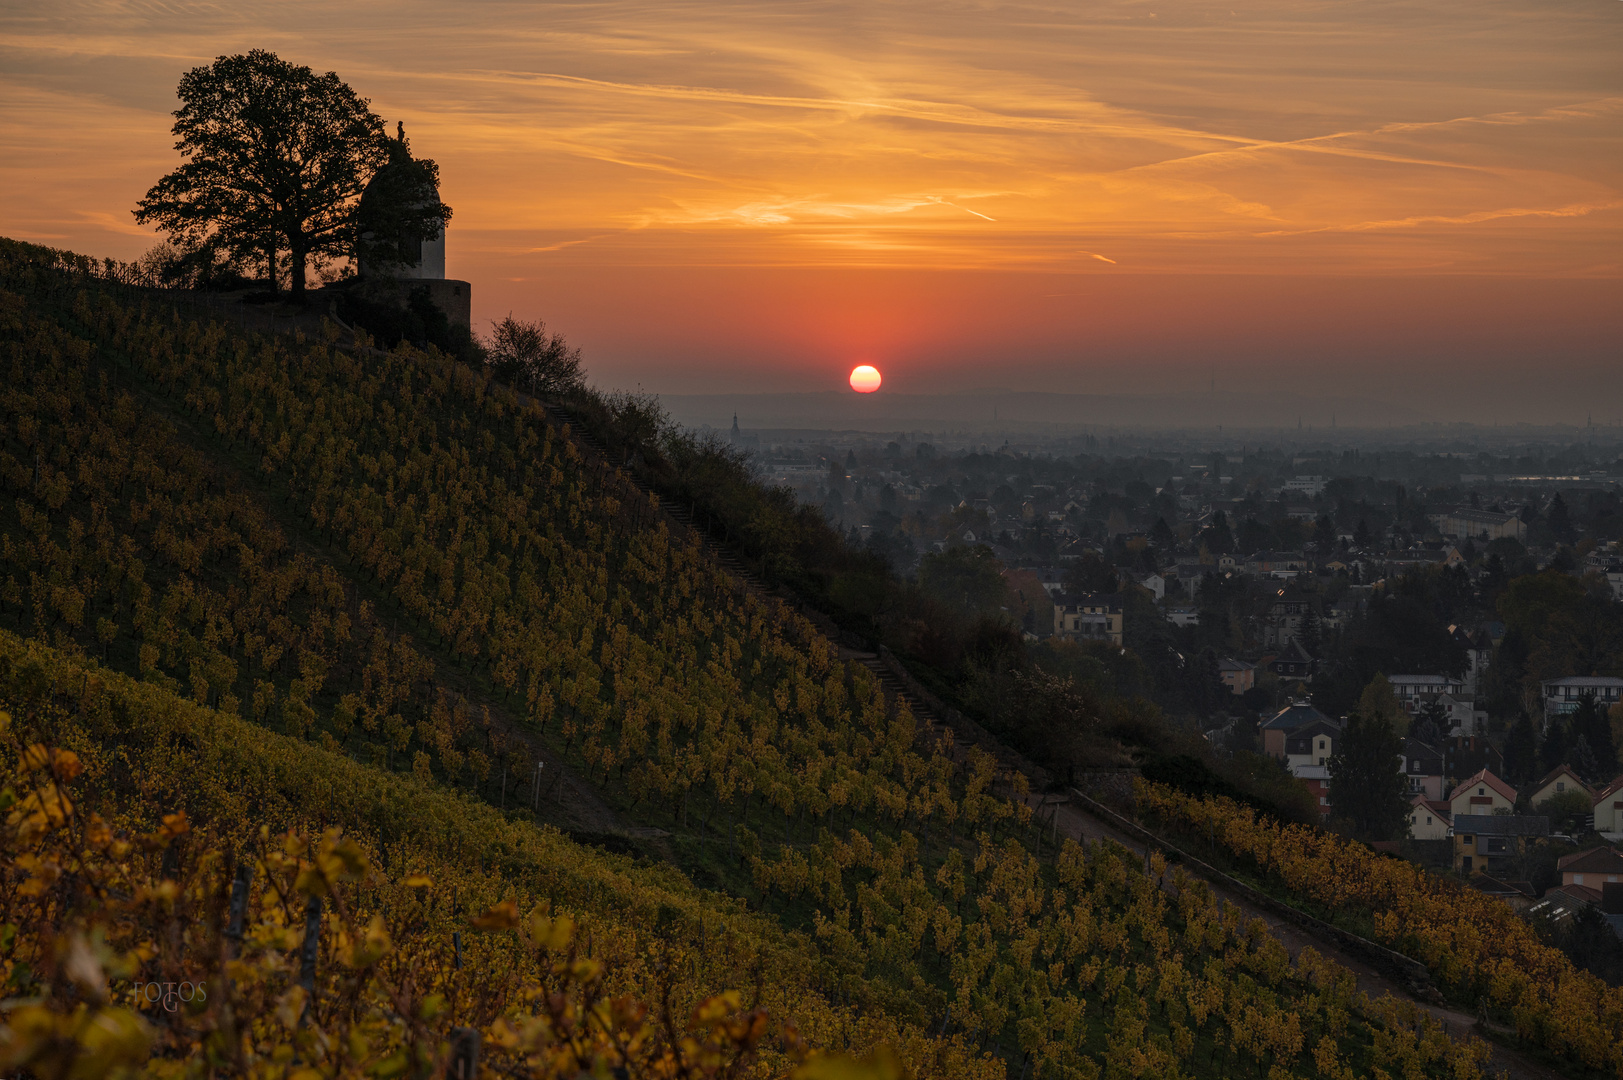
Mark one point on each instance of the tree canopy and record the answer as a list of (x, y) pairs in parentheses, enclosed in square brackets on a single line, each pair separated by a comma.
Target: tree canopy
[(1367, 787), (525, 354), (277, 157)]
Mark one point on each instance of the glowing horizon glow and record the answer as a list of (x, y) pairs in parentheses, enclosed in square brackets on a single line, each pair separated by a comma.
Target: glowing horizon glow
[(865, 378), (723, 194)]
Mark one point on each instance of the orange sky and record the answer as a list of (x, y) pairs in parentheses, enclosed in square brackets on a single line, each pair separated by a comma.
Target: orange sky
[(1125, 195)]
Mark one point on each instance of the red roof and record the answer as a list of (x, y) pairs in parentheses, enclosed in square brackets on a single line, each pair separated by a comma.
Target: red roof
[(1579, 892), (1486, 777), (1611, 789), (1556, 774), (1597, 860)]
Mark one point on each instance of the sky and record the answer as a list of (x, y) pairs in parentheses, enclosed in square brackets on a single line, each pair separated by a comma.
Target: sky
[(1421, 202)]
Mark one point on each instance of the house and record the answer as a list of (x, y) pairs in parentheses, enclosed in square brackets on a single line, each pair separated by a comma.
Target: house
[(1293, 662), (1561, 696), (1183, 616), (1592, 868), (1490, 841), (1088, 617), (1466, 755), (1609, 809), (1460, 715), (1414, 691), (1478, 648), (1316, 778), (1285, 615), (1311, 744), (1297, 714), (1152, 583), (1559, 781), (1052, 578), (1467, 523), (1190, 574), (1306, 485), (1429, 819), (1423, 768), (1238, 675), (1483, 793), (1284, 565)]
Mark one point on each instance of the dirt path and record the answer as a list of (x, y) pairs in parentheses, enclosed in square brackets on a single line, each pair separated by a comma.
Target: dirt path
[(1077, 823)]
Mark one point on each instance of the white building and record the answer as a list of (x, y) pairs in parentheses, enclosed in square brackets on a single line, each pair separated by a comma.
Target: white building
[(1561, 696)]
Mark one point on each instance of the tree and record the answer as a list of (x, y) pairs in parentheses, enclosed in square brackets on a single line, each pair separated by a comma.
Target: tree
[(966, 579), (1367, 786), (524, 353), (1521, 751), (1553, 751), (277, 159), (1560, 521), (1162, 536), (1207, 691), (1431, 723), (1591, 724), (1090, 574), (1218, 538), (1378, 702), (1324, 533), (1311, 633)]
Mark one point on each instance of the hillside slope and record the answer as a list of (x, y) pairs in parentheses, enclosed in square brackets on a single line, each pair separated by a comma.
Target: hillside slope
[(391, 564)]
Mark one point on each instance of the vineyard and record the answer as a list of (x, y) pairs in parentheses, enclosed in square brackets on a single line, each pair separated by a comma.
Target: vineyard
[(283, 587), (133, 813), (1477, 949)]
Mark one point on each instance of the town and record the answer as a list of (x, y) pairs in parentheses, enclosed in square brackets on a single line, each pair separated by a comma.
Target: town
[(1472, 599)]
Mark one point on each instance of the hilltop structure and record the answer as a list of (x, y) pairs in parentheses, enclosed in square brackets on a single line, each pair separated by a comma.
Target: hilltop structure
[(401, 247)]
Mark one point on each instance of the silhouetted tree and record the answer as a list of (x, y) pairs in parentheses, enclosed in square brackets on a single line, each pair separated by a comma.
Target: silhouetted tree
[(277, 157), (1324, 533), (1310, 633), (1554, 749), (1591, 725), (1521, 751), (524, 353), (1560, 521), (1367, 786), (1090, 574), (966, 579), (1161, 535), (1218, 538)]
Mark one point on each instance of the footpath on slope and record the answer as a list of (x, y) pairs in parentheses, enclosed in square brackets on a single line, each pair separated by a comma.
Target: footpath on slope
[(1072, 814), (1083, 818)]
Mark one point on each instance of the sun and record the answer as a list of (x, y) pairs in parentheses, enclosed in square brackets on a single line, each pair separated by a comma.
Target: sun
[(865, 378)]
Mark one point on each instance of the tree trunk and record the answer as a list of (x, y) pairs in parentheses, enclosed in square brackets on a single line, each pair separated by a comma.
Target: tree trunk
[(270, 268), (296, 257)]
